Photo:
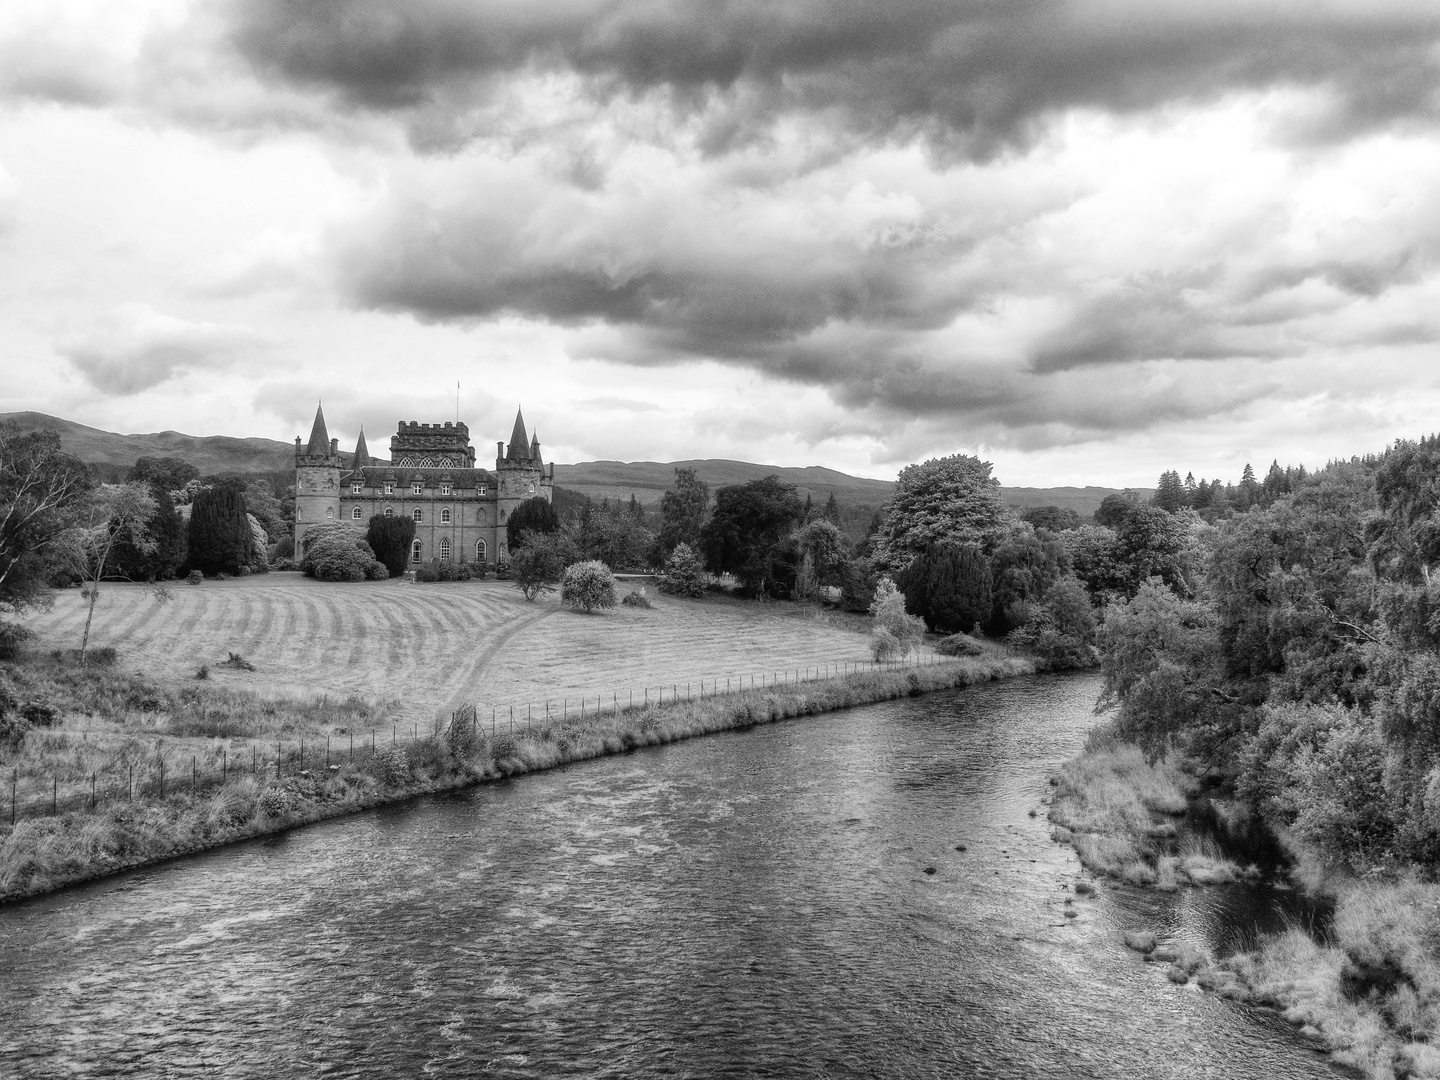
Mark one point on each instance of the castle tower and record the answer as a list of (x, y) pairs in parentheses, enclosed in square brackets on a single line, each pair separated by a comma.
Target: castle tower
[(317, 480), (519, 475)]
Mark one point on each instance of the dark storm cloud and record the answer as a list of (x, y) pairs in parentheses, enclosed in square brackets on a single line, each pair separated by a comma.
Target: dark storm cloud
[(969, 73)]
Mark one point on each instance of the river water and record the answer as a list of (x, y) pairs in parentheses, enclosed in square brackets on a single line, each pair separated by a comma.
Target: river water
[(750, 904)]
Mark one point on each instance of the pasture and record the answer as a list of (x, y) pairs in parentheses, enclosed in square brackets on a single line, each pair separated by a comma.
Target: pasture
[(422, 650)]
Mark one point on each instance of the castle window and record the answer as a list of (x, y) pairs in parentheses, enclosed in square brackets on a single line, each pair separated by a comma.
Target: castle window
[(445, 463), (426, 463), (480, 551), (444, 489), (481, 490), (445, 516), (418, 515), (532, 489), (389, 489), (406, 462), (480, 514), (444, 549), (389, 511), (356, 488), (417, 488), (355, 513), (329, 511), (415, 551)]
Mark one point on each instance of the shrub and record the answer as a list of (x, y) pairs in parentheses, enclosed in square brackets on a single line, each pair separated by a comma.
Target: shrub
[(884, 645), (12, 639), (195, 577), (959, 645), (684, 573), (635, 599), (390, 765), (888, 607), (284, 548), (219, 536), (586, 586), (435, 570), (460, 735), (333, 553)]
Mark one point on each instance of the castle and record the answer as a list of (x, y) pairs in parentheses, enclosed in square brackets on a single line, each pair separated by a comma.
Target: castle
[(459, 511)]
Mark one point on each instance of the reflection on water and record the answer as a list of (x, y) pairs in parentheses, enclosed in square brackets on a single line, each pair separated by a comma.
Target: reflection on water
[(753, 904)]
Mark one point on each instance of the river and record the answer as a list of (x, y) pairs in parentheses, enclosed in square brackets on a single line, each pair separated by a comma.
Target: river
[(749, 904)]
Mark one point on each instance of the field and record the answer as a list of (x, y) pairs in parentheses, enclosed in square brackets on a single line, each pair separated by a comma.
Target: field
[(426, 649)]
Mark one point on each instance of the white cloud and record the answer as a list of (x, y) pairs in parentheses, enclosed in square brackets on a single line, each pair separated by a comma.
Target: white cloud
[(134, 347)]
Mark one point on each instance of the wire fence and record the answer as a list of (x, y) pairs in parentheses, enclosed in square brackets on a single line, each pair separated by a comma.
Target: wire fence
[(165, 774)]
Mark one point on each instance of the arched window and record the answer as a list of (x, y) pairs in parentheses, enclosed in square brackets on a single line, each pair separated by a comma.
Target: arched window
[(532, 489), (355, 512), (389, 511), (444, 549), (480, 551), (415, 551), (445, 463), (418, 515), (329, 511), (445, 516), (407, 462), (426, 463), (480, 514)]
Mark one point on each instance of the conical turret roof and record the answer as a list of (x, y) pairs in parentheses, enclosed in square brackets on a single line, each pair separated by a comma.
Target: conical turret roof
[(519, 449), (319, 437), (362, 453), (535, 449)]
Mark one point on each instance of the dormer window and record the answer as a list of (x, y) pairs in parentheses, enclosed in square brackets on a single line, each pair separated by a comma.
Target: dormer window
[(417, 488), (356, 488), (480, 490), (444, 489), (389, 489)]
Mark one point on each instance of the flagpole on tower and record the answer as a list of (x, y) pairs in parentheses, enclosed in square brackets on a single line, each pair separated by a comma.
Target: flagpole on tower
[(457, 402)]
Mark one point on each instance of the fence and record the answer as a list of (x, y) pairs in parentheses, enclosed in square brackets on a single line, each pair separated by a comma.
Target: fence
[(161, 775)]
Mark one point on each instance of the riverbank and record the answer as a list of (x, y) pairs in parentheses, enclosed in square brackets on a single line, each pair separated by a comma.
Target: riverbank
[(1368, 990), (47, 853)]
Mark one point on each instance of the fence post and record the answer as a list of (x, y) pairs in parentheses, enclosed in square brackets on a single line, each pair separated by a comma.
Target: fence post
[(14, 778), (162, 778), (352, 746), (54, 793), (130, 786), (327, 753), (277, 761), (224, 765), (194, 771)]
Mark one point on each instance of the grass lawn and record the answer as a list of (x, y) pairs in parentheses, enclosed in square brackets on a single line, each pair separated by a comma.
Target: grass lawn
[(426, 649)]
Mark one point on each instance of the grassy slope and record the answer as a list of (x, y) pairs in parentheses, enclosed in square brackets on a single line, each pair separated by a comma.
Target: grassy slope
[(430, 648)]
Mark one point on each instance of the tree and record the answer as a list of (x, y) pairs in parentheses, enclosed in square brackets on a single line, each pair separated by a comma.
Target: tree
[(108, 514), (261, 504), (893, 630), (586, 586), (540, 562), (745, 532), (949, 587), (167, 473), (684, 573), (831, 512), (1114, 509), (390, 539), (219, 537), (166, 528), (531, 516), (38, 486), (1054, 518), (1023, 569), (823, 543), (682, 513), (1170, 494), (953, 498)]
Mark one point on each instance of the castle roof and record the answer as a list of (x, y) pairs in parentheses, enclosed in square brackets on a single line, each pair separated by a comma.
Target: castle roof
[(319, 437), (519, 449), (362, 452), (535, 449)]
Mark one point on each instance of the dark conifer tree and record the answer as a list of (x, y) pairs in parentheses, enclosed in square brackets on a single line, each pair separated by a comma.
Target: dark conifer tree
[(219, 535), (831, 513), (390, 538), (533, 515), (167, 529), (1170, 495)]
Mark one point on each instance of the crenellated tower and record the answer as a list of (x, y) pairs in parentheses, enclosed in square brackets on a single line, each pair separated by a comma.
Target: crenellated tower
[(317, 479), (520, 474)]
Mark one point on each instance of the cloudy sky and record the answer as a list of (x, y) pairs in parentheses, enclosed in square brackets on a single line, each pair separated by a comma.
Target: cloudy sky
[(1087, 239)]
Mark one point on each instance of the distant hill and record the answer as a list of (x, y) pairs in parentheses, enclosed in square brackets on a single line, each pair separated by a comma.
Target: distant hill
[(208, 453), (597, 479)]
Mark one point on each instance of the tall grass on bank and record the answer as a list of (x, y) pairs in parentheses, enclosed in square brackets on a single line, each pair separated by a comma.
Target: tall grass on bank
[(41, 854), (1118, 811)]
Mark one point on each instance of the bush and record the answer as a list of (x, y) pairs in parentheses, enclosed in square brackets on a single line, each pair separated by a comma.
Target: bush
[(284, 548), (959, 645), (390, 765), (219, 535), (333, 553), (586, 586), (883, 644), (435, 570), (635, 599), (888, 607), (537, 566), (12, 639), (684, 573), (195, 577)]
